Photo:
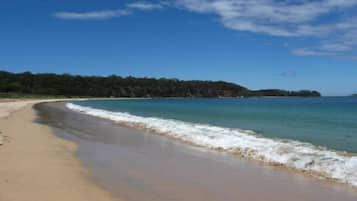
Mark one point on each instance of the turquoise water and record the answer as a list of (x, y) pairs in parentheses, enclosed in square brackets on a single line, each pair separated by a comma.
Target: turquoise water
[(328, 121)]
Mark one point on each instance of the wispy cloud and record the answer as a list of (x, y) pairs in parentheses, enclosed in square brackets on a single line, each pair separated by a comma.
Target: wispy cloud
[(288, 18), (92, 15), (108, 14), (278, 18), (141, 5), (273, 17), (310, 52), (342, 40)]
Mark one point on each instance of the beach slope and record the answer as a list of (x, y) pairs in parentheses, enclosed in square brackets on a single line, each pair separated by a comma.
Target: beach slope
[(36, 165)]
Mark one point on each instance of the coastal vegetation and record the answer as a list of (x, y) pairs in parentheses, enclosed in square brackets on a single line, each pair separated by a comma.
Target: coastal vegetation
[(28, 84)]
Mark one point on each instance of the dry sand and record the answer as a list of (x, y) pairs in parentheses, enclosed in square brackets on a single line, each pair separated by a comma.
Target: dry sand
[(36, 165)]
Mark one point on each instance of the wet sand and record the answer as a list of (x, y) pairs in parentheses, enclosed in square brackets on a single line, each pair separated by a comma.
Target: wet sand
[(136, 165), (37, 165)]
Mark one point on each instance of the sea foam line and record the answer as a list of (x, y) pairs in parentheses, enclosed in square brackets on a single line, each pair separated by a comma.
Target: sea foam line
[(292, 154)]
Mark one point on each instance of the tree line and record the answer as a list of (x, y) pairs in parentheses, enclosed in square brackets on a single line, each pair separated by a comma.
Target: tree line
[(68, 85)]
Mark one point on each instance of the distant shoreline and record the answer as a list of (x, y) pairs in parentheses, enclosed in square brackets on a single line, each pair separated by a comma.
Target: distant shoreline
[(4, 97), (66, 85)]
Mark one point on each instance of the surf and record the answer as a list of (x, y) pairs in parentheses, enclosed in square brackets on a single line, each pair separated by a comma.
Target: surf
[(305, 157)]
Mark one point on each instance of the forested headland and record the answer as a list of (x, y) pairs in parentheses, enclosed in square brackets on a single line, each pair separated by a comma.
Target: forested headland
[(66, 85)]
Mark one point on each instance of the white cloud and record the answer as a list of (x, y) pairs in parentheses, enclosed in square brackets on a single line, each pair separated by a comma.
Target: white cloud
[(278, 18), (108, 14), (310, 52), (141, 5), (309, 19), (341, 41), (92, 15), (288, 18)]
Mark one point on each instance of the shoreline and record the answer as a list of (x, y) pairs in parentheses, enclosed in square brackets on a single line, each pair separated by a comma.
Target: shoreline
[(158, 168), (137, 122), (38, 165), (131, 164)]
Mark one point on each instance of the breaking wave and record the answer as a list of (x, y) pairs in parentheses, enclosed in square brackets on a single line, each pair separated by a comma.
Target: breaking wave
[(301, 156)]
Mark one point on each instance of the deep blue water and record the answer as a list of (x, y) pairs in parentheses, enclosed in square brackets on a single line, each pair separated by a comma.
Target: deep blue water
[(326, 121)]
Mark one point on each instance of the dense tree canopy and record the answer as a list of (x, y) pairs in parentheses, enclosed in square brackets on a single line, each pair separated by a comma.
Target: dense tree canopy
[(116, 86)]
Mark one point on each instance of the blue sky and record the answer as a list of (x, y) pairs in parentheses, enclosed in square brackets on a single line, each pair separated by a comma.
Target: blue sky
[(288, 44)]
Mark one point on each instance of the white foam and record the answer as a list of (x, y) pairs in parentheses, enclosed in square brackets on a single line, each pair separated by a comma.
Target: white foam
[(289, 153)]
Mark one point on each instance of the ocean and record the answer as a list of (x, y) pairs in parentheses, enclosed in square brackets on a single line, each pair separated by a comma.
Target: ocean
[(318, 135)]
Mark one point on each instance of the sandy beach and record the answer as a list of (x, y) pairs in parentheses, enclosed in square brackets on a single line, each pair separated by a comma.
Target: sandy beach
[(37, 165)]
